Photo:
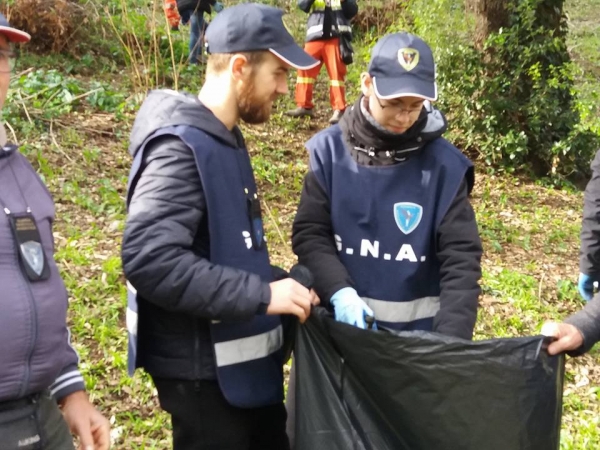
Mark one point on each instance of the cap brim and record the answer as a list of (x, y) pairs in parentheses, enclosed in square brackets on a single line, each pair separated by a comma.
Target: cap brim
[(404, 86), (295, 57), (14, 35)]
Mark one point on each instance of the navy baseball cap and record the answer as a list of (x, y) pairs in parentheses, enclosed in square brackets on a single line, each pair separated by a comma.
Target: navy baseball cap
[(11, 33), (402, 66), (249, 27)]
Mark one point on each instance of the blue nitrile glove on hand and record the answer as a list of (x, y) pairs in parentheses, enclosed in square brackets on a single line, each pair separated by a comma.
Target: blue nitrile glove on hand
[(350, 308), (218, 7), (586, 285)]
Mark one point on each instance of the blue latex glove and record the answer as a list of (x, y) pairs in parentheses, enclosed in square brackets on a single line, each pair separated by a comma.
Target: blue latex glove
[(218, 7), (350, 308), (586, 285)]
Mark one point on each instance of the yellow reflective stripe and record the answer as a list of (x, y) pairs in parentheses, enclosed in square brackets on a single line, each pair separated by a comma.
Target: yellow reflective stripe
[(242, 350), (320, 5), (336, 83), (305, 80)]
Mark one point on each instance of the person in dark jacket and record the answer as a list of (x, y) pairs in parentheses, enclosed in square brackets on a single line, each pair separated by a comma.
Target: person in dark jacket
[(384, 221), (192, 12), (38, 366), (580, 331), (209, 304), (589, 255), (328, 20)]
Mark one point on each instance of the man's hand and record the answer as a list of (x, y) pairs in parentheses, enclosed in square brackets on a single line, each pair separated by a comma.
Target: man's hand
[(568, 337), (86, 422), (290, 297)]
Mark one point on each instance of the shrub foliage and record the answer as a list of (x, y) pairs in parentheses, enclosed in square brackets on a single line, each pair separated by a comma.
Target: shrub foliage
[(54, 25), (511, 99)]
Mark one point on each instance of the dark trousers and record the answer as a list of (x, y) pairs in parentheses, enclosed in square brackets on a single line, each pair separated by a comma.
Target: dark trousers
[(33, 423), (203, 420)]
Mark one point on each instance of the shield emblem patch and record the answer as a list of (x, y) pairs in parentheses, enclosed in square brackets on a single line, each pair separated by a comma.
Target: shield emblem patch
[(408, 216), (408, 58), (33, 253)]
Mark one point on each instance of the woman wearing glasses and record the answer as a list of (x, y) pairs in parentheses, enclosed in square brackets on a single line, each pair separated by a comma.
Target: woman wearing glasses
[(384, 222)]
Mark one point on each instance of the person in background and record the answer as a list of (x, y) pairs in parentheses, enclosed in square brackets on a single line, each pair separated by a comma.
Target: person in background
[(327, 20), (42, 392), (192, 12), (172, 14)]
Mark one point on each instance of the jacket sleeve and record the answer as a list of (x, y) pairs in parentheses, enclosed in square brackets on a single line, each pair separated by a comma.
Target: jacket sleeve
[(159, 253), (350, 9), (459, 252), (69, 379), (588, 322), (305, 5), (313, 241), (589, 255)]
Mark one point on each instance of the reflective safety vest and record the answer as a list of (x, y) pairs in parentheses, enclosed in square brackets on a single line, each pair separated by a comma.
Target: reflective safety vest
[(248, 355), (316, 19), (385, 221)]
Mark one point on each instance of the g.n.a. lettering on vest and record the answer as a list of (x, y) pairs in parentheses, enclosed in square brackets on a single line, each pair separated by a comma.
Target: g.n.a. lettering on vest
[(385, 221), (248, 354)]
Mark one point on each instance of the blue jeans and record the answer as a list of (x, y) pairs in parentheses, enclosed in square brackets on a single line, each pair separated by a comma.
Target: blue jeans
[(196, 36)]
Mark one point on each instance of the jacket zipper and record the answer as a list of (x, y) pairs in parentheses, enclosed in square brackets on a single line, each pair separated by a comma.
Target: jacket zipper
[(33, 334)]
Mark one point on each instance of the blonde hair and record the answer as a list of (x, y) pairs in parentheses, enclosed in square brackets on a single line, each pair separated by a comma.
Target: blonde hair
[(218, 62)]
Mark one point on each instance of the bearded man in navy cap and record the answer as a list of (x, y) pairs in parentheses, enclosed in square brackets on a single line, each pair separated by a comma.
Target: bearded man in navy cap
[(384, 221), (209, 309)]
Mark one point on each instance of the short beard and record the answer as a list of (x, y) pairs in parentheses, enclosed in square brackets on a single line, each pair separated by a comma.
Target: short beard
[(250, 109)]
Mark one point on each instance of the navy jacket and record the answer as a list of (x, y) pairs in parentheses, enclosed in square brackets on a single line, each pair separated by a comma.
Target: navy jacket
[(36, 354)]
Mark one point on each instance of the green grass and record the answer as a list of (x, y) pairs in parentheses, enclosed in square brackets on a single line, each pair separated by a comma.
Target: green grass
[(75, 123)]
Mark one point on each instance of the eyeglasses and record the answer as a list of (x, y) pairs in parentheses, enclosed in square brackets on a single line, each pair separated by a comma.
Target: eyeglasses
[(8, 59), (398, 110)]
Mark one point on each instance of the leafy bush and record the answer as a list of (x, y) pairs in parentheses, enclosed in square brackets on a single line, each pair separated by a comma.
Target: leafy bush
[(514, 104), (54, 25), (378, 17)]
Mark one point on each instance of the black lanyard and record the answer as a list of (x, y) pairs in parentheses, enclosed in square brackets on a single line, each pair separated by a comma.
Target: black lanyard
[(27, 239), (252, 200)]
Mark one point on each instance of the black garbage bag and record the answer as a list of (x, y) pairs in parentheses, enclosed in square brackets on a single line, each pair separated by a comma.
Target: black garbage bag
[(372, 390)]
